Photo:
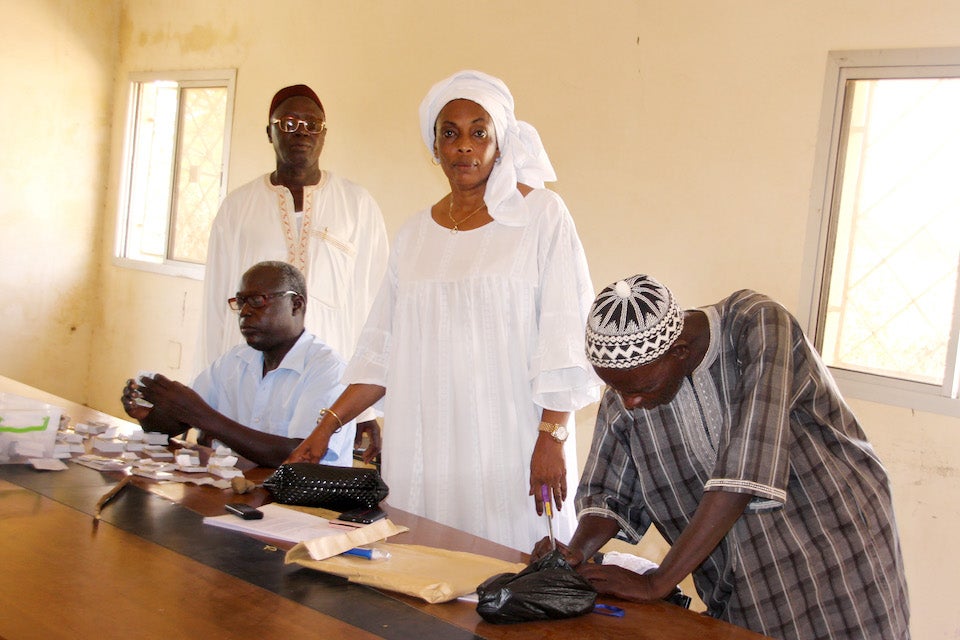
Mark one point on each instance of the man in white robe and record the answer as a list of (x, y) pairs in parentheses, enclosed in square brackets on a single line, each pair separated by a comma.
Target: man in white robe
[(328, 227)]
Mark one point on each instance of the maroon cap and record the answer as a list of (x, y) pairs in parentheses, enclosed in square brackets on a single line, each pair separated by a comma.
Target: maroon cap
[(292, 92)]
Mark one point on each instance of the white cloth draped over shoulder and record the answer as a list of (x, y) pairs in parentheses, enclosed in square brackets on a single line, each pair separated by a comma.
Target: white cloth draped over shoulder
[(343, 258), (473, 334)]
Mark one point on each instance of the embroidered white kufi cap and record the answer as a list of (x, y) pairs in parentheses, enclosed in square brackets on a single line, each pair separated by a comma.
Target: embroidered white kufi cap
[(632, 322)]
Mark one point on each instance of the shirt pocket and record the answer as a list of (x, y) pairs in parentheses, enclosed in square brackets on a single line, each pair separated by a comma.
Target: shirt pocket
[(331, 267)]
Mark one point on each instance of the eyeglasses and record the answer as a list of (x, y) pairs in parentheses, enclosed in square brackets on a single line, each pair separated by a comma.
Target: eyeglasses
[(291, 124), (255, 300)]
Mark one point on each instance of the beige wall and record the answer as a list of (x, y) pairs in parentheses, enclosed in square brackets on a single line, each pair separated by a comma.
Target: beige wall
[(57, 60), (683, 134)]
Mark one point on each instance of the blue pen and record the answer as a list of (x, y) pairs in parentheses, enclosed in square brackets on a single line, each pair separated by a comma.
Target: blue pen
[(369, 554), (609, 610)]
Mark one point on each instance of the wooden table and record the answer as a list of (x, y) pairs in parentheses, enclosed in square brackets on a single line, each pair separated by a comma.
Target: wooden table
[(151, 569)]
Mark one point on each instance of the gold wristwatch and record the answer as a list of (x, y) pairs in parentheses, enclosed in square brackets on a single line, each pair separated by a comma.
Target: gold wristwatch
[(557, 431)]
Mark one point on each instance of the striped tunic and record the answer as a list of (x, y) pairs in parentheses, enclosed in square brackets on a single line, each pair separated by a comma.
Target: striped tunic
[(816, 553)]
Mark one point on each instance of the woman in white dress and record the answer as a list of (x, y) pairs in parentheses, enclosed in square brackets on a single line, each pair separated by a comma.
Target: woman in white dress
[(475, 341)]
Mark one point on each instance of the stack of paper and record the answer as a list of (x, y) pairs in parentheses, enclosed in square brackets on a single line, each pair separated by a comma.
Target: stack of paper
[(278, 523)]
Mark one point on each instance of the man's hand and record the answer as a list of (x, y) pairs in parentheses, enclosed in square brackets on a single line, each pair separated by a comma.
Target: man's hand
[(372, 429), (543, 547), (623, 583), (547, 467), (131, 393), (177, 400)]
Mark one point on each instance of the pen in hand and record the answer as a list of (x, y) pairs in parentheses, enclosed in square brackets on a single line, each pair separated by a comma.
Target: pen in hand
[(548, 511)]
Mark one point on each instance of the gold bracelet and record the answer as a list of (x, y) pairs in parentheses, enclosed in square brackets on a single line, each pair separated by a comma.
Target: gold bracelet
[(330, 411)]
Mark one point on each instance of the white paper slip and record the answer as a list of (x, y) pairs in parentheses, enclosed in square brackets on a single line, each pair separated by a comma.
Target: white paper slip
[(156, 438), (158, 453), (107, 445), (100, 463), (187, 459), (93, 428), (47, 464), (224, 472), (279, 523), (219, 483), (153, 474), (62, 450), (223, 461), (191, 468), (29, 449)]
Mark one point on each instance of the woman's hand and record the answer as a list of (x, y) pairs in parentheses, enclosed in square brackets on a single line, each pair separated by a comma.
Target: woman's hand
[(313, 448), (351, 403), (548, 467), (374, 444)]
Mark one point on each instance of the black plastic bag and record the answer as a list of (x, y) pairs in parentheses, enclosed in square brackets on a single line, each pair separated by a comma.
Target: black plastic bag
[(319, 485), (548, 589)]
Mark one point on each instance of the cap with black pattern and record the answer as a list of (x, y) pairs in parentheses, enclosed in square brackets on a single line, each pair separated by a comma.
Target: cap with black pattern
[(632, 322)]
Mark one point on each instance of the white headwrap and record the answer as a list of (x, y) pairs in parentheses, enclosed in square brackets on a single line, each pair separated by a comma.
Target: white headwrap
[(522, 156)]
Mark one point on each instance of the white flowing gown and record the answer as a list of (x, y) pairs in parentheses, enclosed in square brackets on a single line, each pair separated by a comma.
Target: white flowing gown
[(473, 334)]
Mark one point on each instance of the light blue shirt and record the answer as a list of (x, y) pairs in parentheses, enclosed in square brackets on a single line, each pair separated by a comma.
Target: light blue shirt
[(287, 401)]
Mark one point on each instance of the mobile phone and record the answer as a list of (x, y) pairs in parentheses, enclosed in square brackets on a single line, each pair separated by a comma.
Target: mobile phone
[(244, 511), (363, 515)]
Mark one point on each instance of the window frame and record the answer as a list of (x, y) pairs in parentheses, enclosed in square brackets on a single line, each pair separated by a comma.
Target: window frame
[(196, 78), (825, 192)]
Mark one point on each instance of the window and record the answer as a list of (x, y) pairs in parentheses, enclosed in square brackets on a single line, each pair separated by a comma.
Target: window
[(886, 219), (177, 144)]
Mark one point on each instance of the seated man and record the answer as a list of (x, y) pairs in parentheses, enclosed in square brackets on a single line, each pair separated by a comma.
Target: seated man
[(263, 398), (723, 428)]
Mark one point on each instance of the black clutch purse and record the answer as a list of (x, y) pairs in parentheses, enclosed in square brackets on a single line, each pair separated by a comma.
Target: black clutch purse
[(318, 485)]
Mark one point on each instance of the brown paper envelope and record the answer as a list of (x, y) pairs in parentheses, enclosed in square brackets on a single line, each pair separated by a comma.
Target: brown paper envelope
[(435, 575)]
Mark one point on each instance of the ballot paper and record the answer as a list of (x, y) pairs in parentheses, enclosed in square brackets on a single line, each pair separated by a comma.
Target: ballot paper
[(107, 445), (47, 464), (224, 472), (101, 463), (157, 452), (156, 438)]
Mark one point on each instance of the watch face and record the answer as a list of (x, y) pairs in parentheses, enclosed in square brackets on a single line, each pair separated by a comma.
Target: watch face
[(560, 433)]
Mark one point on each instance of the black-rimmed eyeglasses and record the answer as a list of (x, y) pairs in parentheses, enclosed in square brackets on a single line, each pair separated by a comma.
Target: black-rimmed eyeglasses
[(291, 124), (256, 300)]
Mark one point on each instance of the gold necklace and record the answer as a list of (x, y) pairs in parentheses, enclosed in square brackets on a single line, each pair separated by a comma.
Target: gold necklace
[(456, 225)]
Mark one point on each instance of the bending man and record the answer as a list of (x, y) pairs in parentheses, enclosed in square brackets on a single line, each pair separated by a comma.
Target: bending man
[(722, 428)]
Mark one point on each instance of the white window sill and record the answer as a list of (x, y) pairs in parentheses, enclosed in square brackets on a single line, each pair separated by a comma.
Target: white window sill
[(176, 269), (898, 393)]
